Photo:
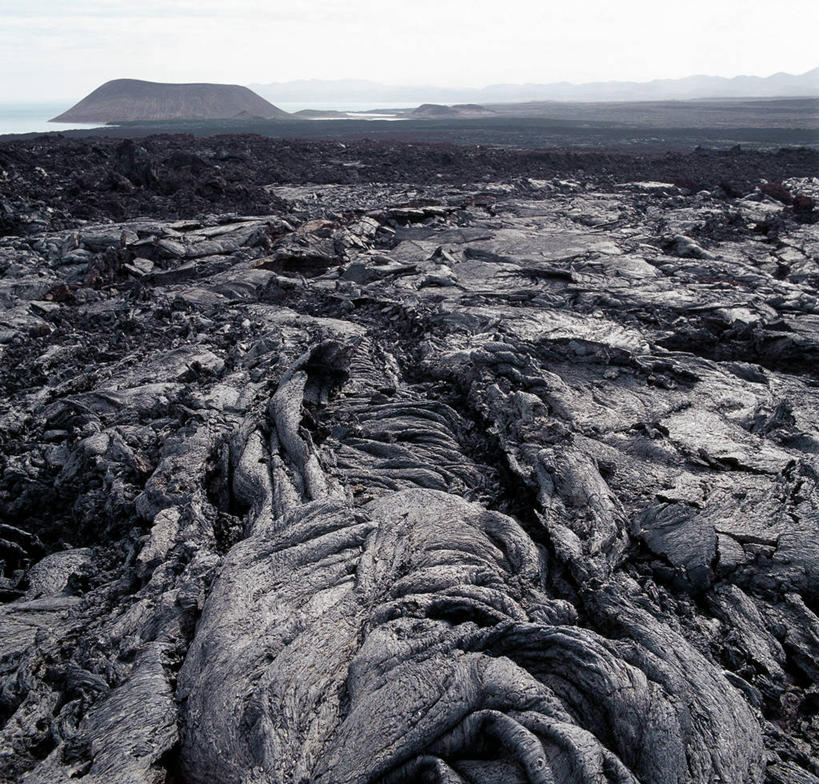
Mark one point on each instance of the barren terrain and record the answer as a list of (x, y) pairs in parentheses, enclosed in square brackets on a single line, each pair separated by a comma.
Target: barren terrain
[(356, 461)]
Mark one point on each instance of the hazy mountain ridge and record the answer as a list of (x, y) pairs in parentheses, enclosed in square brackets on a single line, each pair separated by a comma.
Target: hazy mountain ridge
[(699, 86), (124, 100)]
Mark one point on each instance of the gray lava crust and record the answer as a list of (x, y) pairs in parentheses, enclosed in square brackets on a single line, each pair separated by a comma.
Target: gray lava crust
[(514, 482)]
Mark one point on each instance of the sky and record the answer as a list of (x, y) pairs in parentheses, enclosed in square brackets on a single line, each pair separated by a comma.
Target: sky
[(52, 50)]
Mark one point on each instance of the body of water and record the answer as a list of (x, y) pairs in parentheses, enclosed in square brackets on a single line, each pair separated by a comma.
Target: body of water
[(34, 117), (363, 108)]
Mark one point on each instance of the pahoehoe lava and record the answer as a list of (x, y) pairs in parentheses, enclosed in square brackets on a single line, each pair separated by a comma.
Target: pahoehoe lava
[(377, 463)]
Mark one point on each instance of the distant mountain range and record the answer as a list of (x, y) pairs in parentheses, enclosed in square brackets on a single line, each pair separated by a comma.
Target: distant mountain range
[(691, 87), (124, 100)]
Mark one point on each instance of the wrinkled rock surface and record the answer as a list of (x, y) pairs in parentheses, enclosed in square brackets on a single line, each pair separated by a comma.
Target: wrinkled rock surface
[(508, 482)]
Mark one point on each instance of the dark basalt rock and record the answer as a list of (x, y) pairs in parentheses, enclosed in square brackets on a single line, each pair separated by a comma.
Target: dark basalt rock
[(377, 482), (134, 163)]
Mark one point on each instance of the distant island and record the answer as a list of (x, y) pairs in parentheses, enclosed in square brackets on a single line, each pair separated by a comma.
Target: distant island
[(435, 111), (127, 100)]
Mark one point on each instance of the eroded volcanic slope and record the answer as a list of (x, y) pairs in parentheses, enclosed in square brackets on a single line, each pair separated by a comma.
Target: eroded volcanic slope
[(126, 100), (504, 475)]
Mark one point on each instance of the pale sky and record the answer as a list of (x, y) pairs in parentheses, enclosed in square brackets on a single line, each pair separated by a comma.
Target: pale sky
[(63, 50)]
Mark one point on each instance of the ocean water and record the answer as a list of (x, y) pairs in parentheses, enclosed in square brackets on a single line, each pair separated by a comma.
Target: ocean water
[(363, 108), (34, 118)]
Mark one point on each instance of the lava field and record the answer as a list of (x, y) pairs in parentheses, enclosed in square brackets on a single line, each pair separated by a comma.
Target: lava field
[(368, 463)]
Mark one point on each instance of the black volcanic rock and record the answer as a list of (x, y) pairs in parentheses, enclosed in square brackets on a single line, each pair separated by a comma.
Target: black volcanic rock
[(125, 100), (134, 163), (499, 481)]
